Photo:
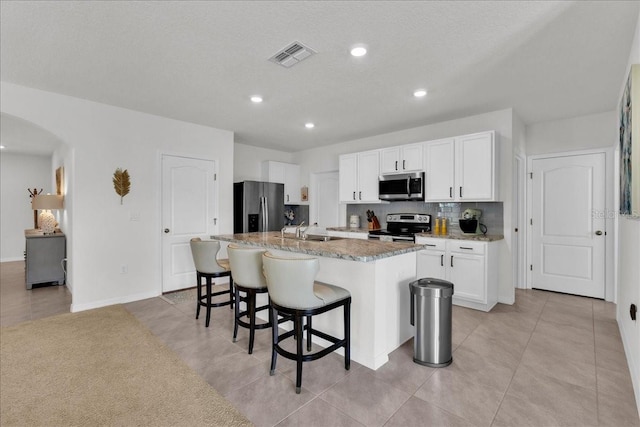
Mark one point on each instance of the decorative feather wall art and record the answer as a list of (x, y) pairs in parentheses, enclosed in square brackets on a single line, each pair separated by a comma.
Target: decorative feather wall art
[(121, 183)]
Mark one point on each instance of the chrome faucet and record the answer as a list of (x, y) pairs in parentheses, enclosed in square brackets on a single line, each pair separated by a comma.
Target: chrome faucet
[(282, 232)]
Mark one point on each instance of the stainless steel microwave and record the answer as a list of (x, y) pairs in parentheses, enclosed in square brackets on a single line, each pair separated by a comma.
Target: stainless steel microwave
[(406, 186)]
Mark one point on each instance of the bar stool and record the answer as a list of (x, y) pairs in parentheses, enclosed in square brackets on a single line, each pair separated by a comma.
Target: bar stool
[(246, 267), (205, 254), (294, 292)]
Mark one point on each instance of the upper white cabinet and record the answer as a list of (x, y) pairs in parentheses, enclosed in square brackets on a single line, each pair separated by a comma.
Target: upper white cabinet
[(359, 177), (461, 168), (404, 158), (284, 173)]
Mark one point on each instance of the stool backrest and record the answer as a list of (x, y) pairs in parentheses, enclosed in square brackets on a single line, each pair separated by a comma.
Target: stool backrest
[(204, 254), (246, 266), (290, 280)]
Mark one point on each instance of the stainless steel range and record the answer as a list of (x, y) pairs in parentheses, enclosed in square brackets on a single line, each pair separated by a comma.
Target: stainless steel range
[(402, 227)]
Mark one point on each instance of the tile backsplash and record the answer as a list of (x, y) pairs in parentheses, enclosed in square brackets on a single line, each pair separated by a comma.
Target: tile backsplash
[(492, 212)]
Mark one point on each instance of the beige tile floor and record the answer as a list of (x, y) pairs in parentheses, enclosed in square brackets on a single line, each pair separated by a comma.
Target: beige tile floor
[(550, 359)]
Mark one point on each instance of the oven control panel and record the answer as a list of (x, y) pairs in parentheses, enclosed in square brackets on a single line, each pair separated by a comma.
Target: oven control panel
[(413, 218)]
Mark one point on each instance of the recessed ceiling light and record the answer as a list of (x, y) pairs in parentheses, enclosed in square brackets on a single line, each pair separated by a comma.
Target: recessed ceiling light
[(358, 51), (309, 125), (419, 93), (257, 99), (2, 147)]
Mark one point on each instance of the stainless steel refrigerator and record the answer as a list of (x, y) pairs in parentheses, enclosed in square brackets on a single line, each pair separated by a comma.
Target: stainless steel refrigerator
[(257, 206)]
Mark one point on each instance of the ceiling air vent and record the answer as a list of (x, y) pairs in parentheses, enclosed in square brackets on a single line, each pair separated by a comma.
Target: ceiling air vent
[(292, 54)]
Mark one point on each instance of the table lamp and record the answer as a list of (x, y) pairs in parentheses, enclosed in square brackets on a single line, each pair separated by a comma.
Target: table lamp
[(46, 220)]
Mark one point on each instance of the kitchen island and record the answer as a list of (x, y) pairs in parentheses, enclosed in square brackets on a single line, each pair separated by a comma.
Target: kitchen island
[(376, 273)]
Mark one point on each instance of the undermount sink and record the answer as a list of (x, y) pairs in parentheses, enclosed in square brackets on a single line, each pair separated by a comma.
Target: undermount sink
[(314, 238), (320, 238)]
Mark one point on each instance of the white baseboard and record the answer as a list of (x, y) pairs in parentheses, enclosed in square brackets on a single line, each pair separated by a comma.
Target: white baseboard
[(12, 259), (633, 364), (122, 300)]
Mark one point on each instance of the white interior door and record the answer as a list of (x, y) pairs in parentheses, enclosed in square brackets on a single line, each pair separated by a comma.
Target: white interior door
[(325, 201), (568, 234), (189, 204)]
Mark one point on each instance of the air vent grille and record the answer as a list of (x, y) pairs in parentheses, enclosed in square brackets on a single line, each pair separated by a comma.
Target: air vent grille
[(292, 54)]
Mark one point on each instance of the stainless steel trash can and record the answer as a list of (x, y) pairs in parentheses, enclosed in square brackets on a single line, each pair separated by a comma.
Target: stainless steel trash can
[(431, 315)]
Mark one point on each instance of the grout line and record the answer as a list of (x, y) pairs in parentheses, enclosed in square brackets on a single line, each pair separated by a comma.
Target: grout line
[(506, 390)]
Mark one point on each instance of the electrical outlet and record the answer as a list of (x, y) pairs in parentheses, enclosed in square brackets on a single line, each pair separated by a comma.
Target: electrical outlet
[(124, 269)]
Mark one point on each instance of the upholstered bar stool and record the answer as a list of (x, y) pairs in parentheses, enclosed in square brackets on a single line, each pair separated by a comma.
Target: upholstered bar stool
[(205, 253), (248, 278), (294, 292)]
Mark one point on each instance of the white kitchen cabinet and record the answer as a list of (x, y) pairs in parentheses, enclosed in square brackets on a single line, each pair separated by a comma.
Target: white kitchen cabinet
[(471, 266), (461, 168), (439, 174), (359, 177), (431, 261), (403, 158), (284, 173)]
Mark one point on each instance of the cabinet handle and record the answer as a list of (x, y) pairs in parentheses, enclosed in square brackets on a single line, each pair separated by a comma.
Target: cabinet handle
[(354, 195), (460, 191), (464, 247), (451, 192), (451, 260), (396, 165), (429, 244), (287, 197), (442, 260), (166, 230), (360, 195), (403, 164)]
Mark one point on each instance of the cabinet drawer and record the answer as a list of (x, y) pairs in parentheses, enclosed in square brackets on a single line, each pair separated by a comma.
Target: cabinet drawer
[(467, 247), (430, 243)]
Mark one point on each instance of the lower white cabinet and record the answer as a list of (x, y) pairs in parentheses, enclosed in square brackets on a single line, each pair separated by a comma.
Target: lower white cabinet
[(471, 266)]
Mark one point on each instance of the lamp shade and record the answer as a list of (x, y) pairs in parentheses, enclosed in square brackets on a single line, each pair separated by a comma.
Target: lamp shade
[(50, 201)]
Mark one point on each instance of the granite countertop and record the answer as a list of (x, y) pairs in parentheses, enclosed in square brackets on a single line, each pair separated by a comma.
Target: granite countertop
[(454, 236), (462, 236), (347, 249)]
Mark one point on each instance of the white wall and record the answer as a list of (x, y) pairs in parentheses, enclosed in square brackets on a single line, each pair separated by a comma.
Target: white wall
[(578, 133), (324, 159), (101, 138), (247, 161), (18, 172), (628, 266)]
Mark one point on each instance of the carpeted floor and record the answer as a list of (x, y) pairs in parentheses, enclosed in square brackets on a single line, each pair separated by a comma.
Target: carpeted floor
[(101, 367)]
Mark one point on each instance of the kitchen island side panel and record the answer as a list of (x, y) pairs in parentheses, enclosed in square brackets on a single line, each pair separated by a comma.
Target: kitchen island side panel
[(379, 309)]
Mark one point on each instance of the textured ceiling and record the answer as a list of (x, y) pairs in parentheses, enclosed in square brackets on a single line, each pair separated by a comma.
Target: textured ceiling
[(200, 61)]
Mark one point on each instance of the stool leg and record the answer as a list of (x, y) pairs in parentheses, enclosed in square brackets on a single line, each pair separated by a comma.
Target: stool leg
[(237, 314), (252, 318), (308, 333), (274, 340), (347, 335), (199, 299), (298, 326), (208, 301), (230, 292)]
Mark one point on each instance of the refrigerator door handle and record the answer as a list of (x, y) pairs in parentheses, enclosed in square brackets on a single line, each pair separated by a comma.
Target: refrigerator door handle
[(263, 213), (266, 214)]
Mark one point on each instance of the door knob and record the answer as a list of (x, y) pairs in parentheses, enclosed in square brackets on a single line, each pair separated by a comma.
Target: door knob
[(166, 230), (598, 233)]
